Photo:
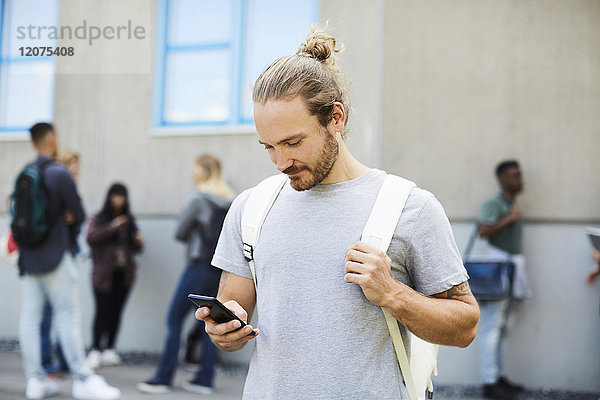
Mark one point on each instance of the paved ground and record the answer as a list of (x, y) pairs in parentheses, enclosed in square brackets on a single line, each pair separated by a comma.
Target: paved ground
[(229, 383)]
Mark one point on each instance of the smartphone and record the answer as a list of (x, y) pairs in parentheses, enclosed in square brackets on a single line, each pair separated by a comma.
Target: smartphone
[(218, 311)]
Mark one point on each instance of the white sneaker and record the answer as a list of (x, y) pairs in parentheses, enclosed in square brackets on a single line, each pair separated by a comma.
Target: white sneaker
[(110, 357), (94, 359), (95, 388), (197, 388), (40, 388), (152, 388)]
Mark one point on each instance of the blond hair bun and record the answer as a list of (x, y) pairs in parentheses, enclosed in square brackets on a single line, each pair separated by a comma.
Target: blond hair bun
[(319, 45)]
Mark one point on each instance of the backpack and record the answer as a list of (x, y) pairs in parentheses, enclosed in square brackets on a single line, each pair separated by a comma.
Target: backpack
[(210, 232), (30, 221), (378, 231)]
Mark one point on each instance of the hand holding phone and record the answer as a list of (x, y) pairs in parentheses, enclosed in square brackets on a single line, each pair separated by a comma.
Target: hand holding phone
[(218, 312)]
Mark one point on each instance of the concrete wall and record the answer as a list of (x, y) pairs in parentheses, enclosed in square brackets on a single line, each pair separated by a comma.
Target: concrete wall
[(441, 91), (468, 83), (105, 114)]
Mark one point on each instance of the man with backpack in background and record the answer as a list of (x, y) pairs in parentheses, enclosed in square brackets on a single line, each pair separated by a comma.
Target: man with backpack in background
[(44, 191), (501, 224), (319, 291)]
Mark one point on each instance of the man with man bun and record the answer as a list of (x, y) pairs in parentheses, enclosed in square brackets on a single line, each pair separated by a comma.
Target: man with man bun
[(321, 333)]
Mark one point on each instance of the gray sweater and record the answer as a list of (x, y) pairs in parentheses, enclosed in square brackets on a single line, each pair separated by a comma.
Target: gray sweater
[(199, 225)]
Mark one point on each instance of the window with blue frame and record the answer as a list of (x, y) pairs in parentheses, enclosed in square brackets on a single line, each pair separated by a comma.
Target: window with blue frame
[(210, 52), (26, 83)]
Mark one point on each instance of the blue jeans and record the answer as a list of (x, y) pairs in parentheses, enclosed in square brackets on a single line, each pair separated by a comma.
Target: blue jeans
[(199, 279), (46, 342), (61, 289), (492, 330)]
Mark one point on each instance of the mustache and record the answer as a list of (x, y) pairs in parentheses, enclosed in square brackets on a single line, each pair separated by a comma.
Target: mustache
[(293, 169)]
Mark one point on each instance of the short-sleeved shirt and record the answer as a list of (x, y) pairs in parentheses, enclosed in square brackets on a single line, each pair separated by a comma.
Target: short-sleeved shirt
[(510, 238), (320, 336)]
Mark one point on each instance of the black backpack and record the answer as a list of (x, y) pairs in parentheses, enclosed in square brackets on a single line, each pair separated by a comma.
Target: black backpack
[(30, 221), (210, 233)]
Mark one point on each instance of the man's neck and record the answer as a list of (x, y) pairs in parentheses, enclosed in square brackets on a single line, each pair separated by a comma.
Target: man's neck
[(44, 152), (345, 168), (510, 196)]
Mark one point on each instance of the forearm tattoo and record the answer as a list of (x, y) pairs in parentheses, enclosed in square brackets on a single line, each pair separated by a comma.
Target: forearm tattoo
[(457, 291)]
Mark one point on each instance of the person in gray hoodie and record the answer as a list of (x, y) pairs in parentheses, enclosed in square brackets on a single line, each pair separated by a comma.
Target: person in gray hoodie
[(198, 225)]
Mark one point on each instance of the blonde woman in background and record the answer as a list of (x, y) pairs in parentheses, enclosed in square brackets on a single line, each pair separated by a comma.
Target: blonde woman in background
[(198, 225), (69, 159)]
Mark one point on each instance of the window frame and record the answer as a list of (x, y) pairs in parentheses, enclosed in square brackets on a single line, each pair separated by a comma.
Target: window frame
[(236, 123), (21, 133), (235, 47)]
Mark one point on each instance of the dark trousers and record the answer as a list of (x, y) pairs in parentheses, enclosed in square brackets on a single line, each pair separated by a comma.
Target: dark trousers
[(199, 279), (109, 306)]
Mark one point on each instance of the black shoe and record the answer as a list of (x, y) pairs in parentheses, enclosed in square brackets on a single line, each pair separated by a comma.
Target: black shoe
[(498, 392), (511, 385)]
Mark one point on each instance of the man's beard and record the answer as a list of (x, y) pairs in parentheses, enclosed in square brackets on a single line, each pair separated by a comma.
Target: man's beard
[(321, 170)]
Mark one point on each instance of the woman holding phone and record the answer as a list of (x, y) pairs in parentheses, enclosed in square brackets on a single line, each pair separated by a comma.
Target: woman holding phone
[(114, 239)]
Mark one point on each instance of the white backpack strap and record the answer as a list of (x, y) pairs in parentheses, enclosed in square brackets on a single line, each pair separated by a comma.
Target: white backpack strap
[(378, 232), (400, 350), (257, 207), (386, 212)]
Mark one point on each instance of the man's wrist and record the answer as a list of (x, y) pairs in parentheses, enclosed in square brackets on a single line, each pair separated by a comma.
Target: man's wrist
[(394, 299), (232, 349)]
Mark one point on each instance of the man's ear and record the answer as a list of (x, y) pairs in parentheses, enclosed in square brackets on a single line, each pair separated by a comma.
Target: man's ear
[(338, 117)]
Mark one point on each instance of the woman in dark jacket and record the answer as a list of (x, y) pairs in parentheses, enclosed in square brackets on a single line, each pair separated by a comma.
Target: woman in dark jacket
[(114, 239)]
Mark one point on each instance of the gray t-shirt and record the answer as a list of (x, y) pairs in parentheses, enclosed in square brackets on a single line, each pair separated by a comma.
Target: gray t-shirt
[(320, 337)]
